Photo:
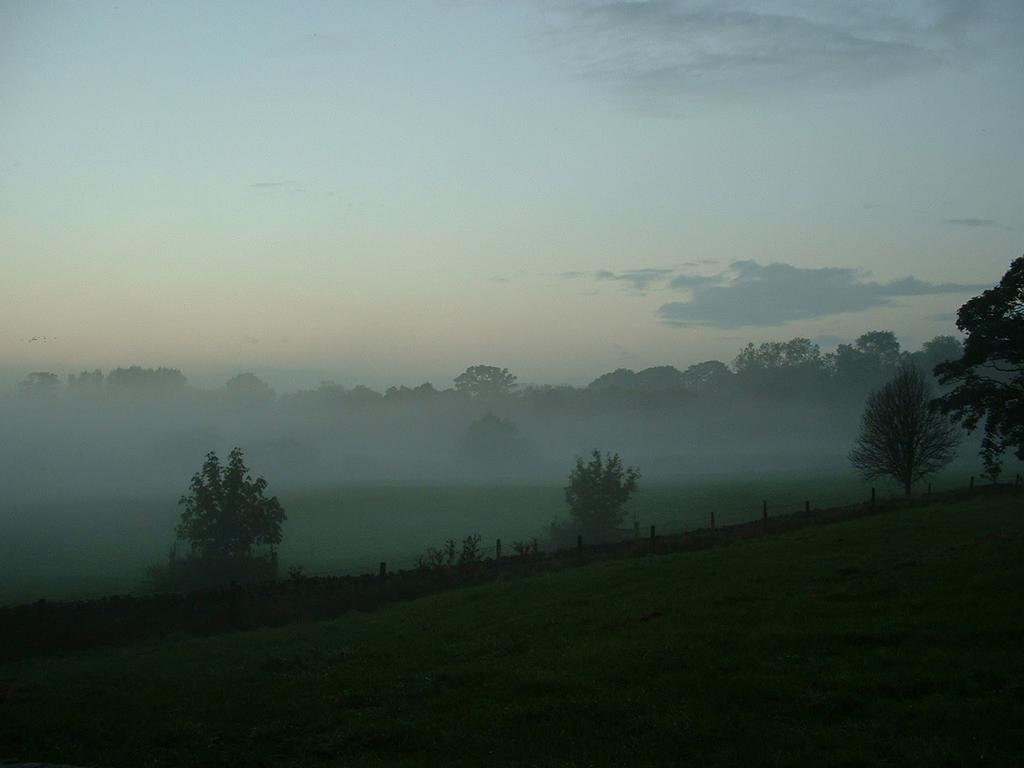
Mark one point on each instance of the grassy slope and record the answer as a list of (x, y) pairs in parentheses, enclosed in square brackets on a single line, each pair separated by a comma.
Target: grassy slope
[(890, 640)]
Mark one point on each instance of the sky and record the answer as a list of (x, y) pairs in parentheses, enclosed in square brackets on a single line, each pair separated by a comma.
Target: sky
[(388, 192)]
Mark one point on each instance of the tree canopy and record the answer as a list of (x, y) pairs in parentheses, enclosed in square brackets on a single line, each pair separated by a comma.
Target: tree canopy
[(598, 490), (988, 379), (901, 435), (225, 512), (485, 381)]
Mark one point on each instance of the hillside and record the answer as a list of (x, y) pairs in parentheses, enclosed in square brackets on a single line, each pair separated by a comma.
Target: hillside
[(891, 640)]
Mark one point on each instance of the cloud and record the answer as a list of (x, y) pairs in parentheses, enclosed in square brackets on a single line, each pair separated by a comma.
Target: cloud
[(636, 279), (969, 222), (692, 281), (657, 53), (750, 294)]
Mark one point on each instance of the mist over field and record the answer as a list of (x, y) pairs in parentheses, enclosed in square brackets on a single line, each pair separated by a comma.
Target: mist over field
[(135, 431), (96, 462)]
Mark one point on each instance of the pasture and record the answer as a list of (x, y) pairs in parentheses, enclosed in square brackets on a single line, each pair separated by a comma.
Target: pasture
[(92, 547), (886, 640)]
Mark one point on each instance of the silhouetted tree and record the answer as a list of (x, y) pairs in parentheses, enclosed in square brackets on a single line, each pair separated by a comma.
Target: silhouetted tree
[(901, 435), (247, 389), (86, 384), (790, 366), (137, 382), (40, 384), (226, 513), (941, 349), (869, 361), (989, 378), (598, 490), (706, 376), (620, 378), (485, 381)]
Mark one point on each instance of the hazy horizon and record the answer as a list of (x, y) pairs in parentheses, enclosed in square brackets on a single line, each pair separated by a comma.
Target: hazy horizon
[(387, 193)]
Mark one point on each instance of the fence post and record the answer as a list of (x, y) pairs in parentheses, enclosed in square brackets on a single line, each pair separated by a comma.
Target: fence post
[(636, 529), (972, 484), (872, 497), (712, 519), (764, 514), (579, 547), (383, 570), (652, 539)]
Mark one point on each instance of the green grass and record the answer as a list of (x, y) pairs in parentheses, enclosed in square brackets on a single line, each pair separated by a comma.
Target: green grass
[(888, 640), (71, 550)]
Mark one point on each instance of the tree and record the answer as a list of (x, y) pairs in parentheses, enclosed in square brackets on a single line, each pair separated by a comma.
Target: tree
[(706, 376), (40, 384), (989, 377), (226, 514), (941, 349), (901, 435), (248, 390), (598, 491), (871, 359), (485, 381)]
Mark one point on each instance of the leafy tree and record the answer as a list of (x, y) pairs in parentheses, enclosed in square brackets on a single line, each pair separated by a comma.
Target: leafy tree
[(941, 349), (796, 365), (901, 435), (870, 360), (620, 378), (247, 389), (598, 490), (226, 514), (706, 376), (485, 381), (40, 384), (659, 378), (989, 377), (86, 383), (136, 382)]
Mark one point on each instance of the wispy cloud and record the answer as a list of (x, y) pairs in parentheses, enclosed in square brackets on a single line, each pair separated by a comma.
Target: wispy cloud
[(657, 53), (751, 294), (969, 222), (269, 184), (635, 279)]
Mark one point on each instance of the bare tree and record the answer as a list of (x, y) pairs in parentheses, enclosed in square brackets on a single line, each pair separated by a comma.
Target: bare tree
[(901, 435)]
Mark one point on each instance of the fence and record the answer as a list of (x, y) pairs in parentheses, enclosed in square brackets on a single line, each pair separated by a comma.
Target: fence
[(45, 627)]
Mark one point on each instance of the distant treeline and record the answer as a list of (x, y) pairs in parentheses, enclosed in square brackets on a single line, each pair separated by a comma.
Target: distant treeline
[(794, 367), (144, 429)]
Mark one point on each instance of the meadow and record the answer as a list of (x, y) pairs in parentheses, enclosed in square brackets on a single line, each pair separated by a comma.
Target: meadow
[(891, 640), (93, 547)]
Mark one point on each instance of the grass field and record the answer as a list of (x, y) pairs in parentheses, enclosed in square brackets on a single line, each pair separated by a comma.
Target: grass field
[(89, 548), (888, 640)]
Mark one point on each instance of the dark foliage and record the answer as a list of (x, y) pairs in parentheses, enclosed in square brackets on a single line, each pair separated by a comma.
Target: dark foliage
[(989, 378), (597, 492), (901, 435), (485, 381), (226, 517)]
